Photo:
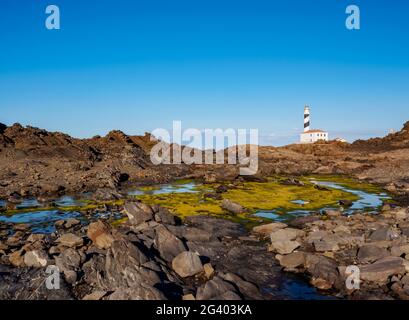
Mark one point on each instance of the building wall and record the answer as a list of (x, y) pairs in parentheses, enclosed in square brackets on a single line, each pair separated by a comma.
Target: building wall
[(313, 137)]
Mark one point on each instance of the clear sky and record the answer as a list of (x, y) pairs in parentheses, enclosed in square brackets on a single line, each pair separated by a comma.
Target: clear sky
[(138, 65)]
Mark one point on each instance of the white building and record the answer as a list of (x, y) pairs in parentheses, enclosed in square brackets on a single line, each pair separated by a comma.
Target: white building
[(311, 136)]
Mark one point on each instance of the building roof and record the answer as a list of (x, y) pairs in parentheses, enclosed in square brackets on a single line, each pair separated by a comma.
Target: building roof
[(315, 131)]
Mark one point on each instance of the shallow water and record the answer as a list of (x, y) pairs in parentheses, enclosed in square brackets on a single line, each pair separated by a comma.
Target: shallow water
[(167, 188), (292, 286), (295, 288), (366, 201), (40, 221)]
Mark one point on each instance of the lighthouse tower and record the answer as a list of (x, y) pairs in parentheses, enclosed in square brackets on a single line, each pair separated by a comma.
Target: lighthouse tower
[(311, 136), (306, 118)]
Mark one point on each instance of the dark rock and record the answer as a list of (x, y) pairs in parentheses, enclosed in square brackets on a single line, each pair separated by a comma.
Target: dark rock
[(300, 222), (23, 284), (168, 245), (345, 203), (214, 288), (217, 227), (382, 269), (163, 215), (371, 253), (323, 271)]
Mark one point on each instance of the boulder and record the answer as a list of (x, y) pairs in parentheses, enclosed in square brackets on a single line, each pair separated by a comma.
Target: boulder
[(324, 245), (70, 240), (383, 233), (246, 288), (163, 215), (187, 264), (17, 258), (293, 260), (371, 253), (382, 269), (286, 234), (138, 212), (267, 229), (214, 288), (71, 223), (36, 259), (168, 245), (324, 271), (100, 234), (232, 207), (284, 246), (400, 250)]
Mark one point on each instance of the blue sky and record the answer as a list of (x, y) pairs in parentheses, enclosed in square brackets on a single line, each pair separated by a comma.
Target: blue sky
[(139, 65)]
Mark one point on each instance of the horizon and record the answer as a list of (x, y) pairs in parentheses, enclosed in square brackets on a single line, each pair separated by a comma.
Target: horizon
[(139, 66)]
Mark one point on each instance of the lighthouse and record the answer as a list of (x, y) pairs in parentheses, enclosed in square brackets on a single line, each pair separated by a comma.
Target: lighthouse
[(306, 118), (314, 135)]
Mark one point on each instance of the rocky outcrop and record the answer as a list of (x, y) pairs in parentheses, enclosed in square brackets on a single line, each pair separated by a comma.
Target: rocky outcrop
[(144, 259), (326, 247)]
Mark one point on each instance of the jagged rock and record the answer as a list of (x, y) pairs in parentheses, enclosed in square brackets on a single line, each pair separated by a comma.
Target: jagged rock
[(29, 284), (247, 289), (70, 240), (138, 212), (382, 269), (68, 263), (214, 288), (323, 270), (163, 215), (232, 207), (168, 245), (122, 268), (100, 234), (36, 259), (187, 264)]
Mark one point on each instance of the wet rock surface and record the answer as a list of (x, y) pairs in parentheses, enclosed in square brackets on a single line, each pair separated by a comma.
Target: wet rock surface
[(204, 258), (374, 246)]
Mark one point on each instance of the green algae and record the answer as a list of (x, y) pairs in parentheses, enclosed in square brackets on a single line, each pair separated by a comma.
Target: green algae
[(271, 195)]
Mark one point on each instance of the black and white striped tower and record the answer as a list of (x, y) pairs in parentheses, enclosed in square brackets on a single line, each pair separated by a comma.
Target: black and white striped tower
[(306, 119)]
